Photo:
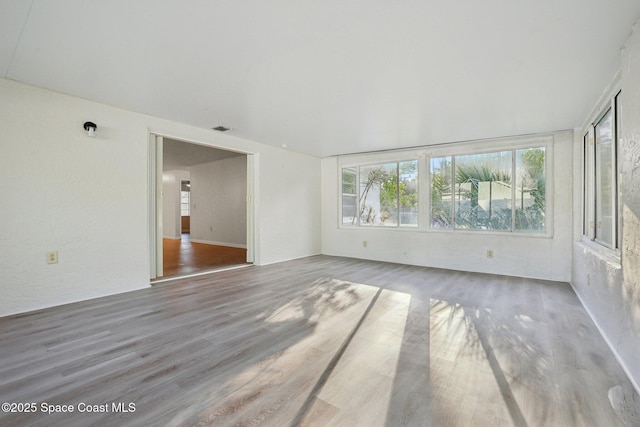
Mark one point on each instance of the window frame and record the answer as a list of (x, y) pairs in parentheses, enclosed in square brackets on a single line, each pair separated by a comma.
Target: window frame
[(356, 224), (188, 203), (590, 192), (423, 156), (513, 230)]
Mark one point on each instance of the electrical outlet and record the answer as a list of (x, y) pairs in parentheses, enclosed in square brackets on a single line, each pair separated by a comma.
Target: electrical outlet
[(52, 257), (489, 253), (364, 243)]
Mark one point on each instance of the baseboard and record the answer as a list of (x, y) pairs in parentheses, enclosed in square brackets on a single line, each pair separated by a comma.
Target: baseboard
[(201, 273), (613, 349), (213, 242), (287, 259)]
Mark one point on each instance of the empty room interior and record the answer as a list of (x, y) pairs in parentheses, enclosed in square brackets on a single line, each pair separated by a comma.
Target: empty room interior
[(334, 213)]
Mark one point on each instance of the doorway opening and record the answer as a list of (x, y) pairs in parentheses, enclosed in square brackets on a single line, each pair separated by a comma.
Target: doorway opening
[(201, 213)]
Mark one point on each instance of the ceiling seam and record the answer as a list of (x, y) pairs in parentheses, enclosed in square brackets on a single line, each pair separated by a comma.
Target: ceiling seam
[(15, 49)]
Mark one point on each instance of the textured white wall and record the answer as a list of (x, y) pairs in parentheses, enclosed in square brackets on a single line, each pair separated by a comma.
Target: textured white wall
[(294, 219), (629, 348), (523, 256), (219, 202), (64, 191), (609, 286), (87, 198)]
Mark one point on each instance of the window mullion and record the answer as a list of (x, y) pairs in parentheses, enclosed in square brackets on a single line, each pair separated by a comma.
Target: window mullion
[(453, 193), (397, 194), (593, 224), (358, 195)]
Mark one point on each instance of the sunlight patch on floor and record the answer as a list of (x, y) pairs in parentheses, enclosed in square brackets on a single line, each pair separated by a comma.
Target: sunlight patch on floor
[(365, 374)]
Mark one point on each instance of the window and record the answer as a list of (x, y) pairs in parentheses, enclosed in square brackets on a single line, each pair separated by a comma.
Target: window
[(482, 191), (530, 189), (185, 193), (500, 191), (478, 191), (585, 186), (408, 193), (384, 195), (349, 196), (600, 190), (441, 194)]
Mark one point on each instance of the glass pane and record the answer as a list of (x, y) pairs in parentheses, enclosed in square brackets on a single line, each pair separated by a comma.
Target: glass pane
[(585, 190), (530, 189), (483, 191), (184, 203), (349, 196), (617, 139), (604, 179), (408, 188), (441, 198), (379, 194)]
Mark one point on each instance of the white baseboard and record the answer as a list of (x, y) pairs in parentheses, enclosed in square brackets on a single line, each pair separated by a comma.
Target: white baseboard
[(211, 242), (613, 348)]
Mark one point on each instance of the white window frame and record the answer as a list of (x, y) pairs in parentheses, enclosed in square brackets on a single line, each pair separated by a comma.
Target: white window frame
[(188, 203), (424, 154), (513, 148), (357, 167), (590, 197)]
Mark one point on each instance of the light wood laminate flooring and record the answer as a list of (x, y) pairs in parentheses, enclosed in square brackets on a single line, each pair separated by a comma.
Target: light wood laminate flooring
[(320, 341)]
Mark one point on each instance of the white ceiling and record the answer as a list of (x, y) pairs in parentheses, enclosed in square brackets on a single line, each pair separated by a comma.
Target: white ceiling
[(327, 77), (182, 155)]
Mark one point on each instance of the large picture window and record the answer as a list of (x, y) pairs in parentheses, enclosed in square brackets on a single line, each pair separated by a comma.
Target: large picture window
[(384, 195), (501, 191)]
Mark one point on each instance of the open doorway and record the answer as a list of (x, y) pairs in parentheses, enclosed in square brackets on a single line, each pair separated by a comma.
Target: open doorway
[(201, 213)]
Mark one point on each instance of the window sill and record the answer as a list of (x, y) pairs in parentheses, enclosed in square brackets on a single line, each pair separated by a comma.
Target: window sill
[(608, 255), (449, 232), (379, 227)]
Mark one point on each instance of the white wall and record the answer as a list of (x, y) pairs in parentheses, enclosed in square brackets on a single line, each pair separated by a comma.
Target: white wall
[(219, 202), (293, 209), (171, 219), (609, 285), (87, 198), (516, 255)]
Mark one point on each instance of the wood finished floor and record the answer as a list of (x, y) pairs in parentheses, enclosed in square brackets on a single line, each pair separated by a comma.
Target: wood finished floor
[(320, 341), (182, 256)]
